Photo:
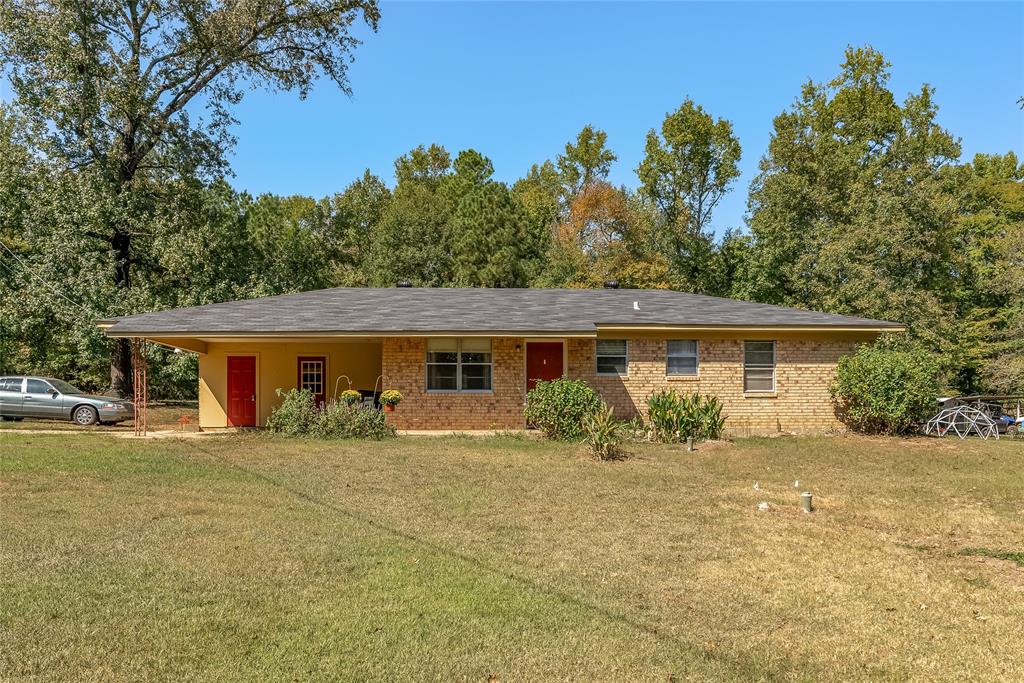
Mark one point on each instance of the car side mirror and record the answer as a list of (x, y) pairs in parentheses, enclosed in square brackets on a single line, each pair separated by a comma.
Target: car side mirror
[(54, 393)]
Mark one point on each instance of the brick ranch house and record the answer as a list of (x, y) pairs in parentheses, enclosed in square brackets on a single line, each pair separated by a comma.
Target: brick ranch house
[(465, 358)]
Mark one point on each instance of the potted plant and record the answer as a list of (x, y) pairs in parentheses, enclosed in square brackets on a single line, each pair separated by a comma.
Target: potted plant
[(351, 397), (389, 399)]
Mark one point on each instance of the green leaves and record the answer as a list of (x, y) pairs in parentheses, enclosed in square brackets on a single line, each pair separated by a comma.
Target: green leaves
[(674, 418), (886, 388), (561, 407), (685, 172)]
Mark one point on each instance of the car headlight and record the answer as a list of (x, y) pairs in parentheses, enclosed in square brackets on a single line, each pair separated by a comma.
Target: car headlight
[(111, 406)]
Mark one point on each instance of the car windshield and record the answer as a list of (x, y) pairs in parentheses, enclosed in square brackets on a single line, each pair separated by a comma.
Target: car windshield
[(63, 387)]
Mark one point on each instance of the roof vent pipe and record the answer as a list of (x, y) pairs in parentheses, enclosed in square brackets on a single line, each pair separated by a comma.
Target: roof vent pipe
[(404, 284), (611, 284)]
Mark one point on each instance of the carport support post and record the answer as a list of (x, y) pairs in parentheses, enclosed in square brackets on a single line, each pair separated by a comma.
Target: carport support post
[(141, 397)]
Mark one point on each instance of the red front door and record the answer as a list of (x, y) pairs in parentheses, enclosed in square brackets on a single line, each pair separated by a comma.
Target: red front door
[(313, 376), (242, 391), (543, 361)]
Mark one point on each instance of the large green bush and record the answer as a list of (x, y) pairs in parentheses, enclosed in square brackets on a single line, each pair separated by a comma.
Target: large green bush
[(885, 390), (559, 407), (295, 415), (298, 415), (675, 418)]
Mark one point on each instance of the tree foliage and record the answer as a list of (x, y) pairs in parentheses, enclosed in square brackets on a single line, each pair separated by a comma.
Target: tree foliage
[(886, 388), (687, 170), (861, 206), (108, 93), (585, 161)]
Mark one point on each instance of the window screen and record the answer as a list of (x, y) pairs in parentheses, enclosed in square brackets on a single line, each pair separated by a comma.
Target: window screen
[(682, 357), (459, 364), (759, 366), (612, 356)]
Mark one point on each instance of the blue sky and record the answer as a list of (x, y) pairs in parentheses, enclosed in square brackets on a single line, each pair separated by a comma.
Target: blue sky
[(517, 80)]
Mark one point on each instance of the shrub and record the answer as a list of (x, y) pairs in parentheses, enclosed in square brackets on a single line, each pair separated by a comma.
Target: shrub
[(602, 434), (675, 418), (391, 397), (885, 390), (296, 413), (559, 407), (351, 397), (340, 420)]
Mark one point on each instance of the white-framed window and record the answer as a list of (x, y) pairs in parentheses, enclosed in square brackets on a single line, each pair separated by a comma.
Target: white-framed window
[(311, 375), (682, 357), (612, 356), (459, 364), (758, 366)]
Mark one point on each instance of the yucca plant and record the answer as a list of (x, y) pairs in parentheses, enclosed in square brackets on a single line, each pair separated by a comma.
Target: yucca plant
[(712, 422), (676, 419), (602, 433)]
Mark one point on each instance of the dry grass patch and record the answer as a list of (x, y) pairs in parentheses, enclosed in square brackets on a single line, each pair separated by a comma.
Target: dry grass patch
[(457, 558)]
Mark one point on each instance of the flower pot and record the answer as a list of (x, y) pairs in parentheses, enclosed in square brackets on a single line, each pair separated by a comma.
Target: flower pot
[(388, 408)]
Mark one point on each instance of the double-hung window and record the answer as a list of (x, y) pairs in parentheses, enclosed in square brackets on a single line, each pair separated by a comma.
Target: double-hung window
[(459, 364), (681, 359), (612, 356), (759, 366)]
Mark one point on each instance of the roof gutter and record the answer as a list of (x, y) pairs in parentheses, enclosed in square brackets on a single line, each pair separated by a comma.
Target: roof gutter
[(752, 328), (341, 335)]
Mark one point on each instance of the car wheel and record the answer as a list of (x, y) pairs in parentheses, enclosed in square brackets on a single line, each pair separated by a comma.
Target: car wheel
[(85, 416)]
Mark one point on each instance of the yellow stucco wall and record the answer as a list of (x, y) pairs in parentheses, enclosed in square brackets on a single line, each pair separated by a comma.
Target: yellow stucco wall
[(276, 367)]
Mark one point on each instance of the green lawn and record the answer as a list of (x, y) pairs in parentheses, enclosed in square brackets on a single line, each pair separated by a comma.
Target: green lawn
[(251, 558)]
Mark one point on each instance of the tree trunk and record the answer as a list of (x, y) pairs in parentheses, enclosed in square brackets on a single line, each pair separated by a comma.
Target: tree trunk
[(121, 358), (121, 369)]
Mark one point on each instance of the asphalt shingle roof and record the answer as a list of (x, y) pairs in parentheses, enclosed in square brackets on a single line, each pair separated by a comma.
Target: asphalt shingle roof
[(433, 310)]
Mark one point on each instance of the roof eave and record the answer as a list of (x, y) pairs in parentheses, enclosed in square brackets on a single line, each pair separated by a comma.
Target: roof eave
[(824, 327), (193, 334)]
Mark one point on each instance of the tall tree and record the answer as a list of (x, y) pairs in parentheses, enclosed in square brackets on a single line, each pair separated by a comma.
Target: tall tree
[(606, 235), (850, 212), (686, 171), (989, 262), (109, 90), (355, 213), (493, 241), (539, 191), (411, 240), (586, 161), (689, 167)]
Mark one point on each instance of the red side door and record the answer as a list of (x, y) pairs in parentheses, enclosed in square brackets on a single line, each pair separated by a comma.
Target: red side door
[(544, 361), (242, 391)]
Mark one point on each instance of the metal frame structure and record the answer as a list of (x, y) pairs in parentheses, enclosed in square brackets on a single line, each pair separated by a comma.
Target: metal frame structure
[(962, 420), (978, 414), (140, 386)]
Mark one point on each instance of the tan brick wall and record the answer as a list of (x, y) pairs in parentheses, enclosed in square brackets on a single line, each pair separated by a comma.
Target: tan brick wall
[(800, 403), (803, 372), (404, 368)]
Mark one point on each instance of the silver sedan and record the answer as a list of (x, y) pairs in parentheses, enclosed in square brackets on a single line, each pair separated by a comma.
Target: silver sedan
[(54, 399)]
